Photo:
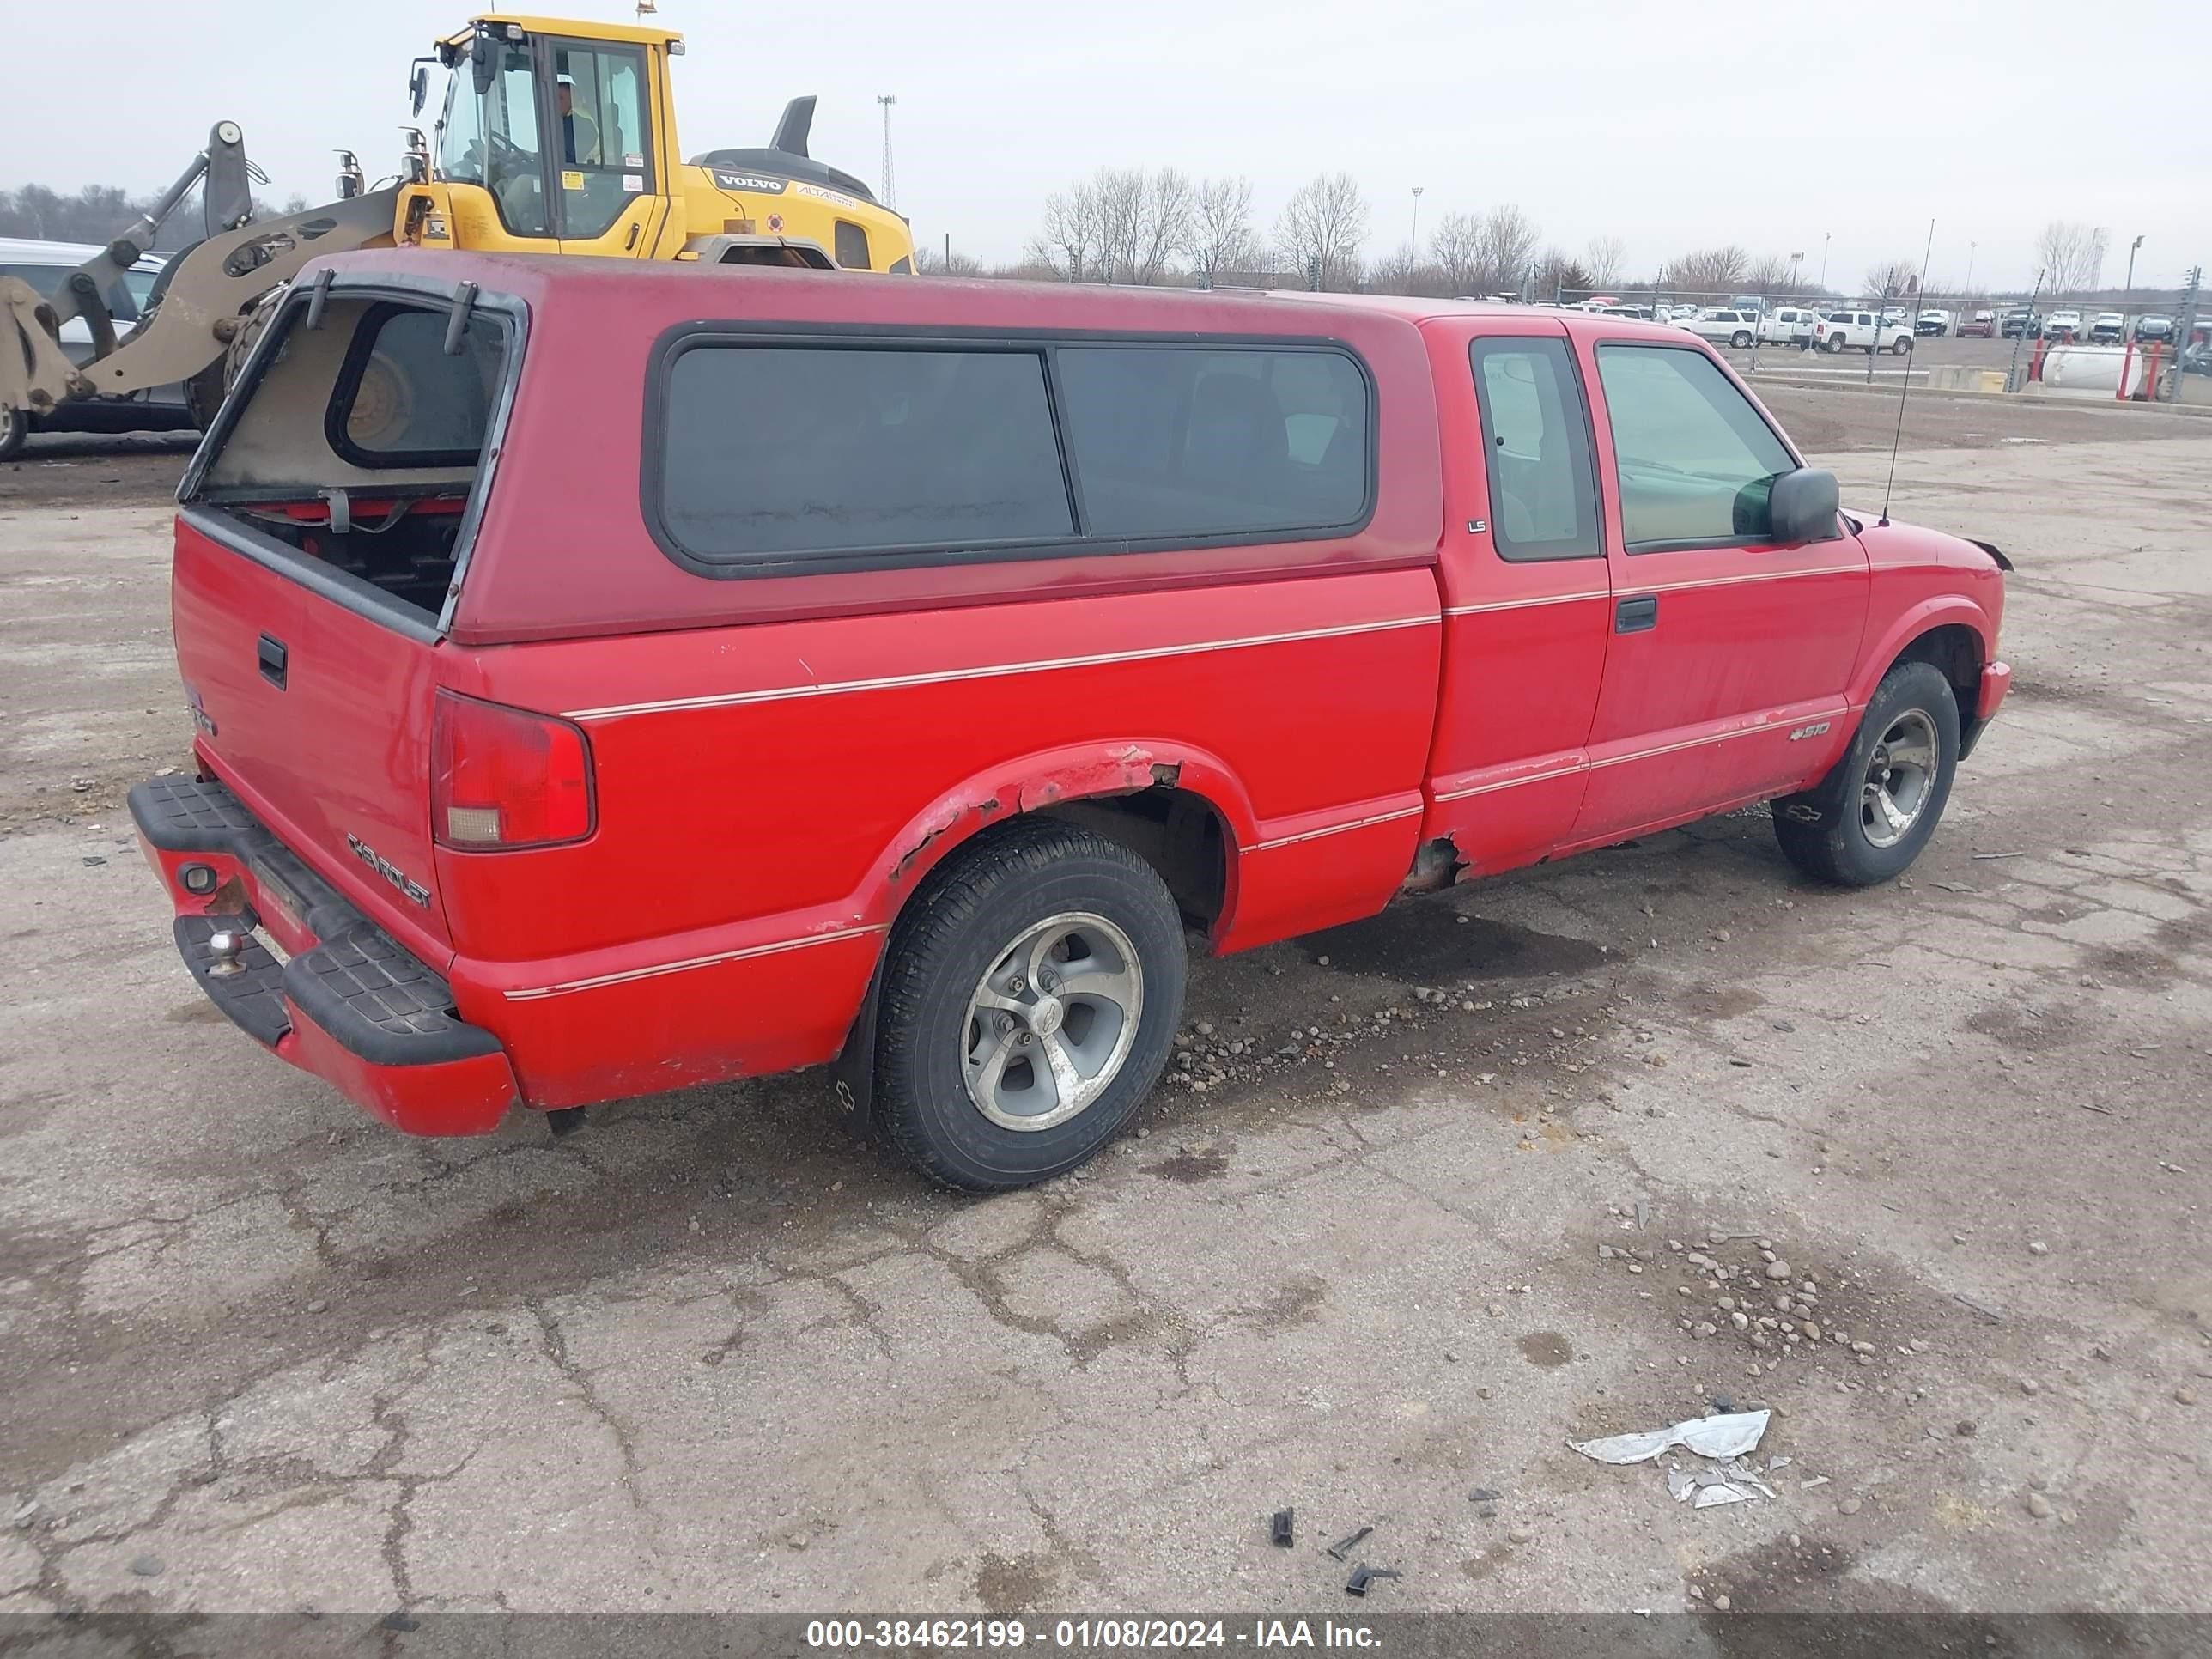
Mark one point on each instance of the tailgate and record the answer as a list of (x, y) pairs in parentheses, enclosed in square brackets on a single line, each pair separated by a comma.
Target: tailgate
[(326, 524), (317, 716)]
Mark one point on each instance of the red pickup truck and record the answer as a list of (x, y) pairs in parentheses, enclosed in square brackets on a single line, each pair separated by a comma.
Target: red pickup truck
[(610, 677)]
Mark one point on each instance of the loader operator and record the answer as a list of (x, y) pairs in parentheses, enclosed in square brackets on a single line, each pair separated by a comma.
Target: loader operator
[(580, 137)]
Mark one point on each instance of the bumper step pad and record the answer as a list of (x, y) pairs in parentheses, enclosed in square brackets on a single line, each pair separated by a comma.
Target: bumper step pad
[(357, 983), (380, 1002), (253, 997)]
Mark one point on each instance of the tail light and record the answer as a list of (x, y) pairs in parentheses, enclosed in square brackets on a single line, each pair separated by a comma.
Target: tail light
[(505, 777)]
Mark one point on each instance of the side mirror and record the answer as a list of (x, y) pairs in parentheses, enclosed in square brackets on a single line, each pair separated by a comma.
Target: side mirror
[(418, 87), (1802, 506), (484, 62)]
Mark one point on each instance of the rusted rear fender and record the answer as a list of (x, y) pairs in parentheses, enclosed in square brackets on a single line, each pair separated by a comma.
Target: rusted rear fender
[(1049, 778)]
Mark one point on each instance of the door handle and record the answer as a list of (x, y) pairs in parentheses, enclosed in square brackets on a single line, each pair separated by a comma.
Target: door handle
[(635, 227), (1637, 615), (271, 653)]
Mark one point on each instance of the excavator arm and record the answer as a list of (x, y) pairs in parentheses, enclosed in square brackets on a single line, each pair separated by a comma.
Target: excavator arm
[(199, 300)]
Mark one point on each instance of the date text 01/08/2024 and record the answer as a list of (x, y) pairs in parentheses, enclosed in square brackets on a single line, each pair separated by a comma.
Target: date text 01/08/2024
[(1081, 1635)]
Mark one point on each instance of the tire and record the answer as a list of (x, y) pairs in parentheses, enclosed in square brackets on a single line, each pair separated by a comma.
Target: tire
[(1901, 345), (15, 432), (204, 395), (251, 327), (1740, 339), (1040, 891), (1837, 832), (1833, 344)]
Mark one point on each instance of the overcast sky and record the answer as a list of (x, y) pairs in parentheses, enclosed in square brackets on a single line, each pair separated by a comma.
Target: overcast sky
[(1671, 127)]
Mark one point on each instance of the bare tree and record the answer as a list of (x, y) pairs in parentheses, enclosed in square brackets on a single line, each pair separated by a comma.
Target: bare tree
[(2072, 256), (1456, 249), (1120, 225), (929, 262), (1560, 275), (1891, 279), (1070, 238), (1709, 270), (1509, 238), (1605, 258), (1403, 272), (1165, 208), (1322, 226), (1221, 236), (1768, 275), (1120, 192)]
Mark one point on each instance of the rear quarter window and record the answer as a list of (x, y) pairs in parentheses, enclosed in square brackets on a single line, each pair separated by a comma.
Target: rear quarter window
[(1178, 441), (764, 457), (769, 453)]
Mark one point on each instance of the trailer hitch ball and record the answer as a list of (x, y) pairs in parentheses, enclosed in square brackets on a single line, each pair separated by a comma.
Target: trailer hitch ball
[(225, 946)]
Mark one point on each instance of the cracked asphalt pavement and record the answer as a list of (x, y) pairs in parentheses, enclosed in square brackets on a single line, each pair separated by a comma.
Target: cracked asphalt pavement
[(1419, 1206)]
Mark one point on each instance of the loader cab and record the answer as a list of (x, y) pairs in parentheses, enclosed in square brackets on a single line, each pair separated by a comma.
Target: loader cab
[(553, 138)]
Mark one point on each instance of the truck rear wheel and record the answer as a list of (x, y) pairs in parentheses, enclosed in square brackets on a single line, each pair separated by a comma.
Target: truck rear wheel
[(1030, 997), (1869, 819), (15, 431)]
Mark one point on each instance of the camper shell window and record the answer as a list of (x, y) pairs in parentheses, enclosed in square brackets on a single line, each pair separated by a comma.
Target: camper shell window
[(352, 451)]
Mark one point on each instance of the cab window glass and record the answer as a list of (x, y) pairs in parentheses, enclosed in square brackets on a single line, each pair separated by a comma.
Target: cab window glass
[(605, 158), (492, 140), (1695, 458), (1536, 451)]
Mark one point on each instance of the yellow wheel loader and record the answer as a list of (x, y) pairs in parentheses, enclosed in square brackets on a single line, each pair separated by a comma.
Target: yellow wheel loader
[(555, 136)]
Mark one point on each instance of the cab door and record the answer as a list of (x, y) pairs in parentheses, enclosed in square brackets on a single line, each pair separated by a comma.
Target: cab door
[(492, 169), (1731, 654), (1528, 600), (608, 163)]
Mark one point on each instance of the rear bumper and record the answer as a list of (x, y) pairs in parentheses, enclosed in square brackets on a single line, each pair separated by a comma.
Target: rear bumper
[(350, 1006)]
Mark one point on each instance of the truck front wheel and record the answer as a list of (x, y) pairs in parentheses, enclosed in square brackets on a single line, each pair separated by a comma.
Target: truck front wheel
[(1030, 997), (1869, 819)]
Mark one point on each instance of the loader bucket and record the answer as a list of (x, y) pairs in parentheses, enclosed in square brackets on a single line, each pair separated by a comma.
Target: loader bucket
[(209, 288), (34, 372)]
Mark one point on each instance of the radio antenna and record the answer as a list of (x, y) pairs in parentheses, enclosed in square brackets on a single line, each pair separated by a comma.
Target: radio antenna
[(1905, 374)]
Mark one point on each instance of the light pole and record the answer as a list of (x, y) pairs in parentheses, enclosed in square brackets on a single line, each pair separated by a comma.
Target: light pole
[(1969, 294), (887, 99), (1824, 260), (2132, 247), (1796, 260), (1416, 244)]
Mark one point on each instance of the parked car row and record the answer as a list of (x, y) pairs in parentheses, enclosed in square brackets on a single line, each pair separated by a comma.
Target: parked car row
[(1748, 319), (2105, 328)]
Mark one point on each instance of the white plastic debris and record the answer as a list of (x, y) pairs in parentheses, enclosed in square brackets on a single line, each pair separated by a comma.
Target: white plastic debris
[(1729, 1434), (1722, 1493)]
